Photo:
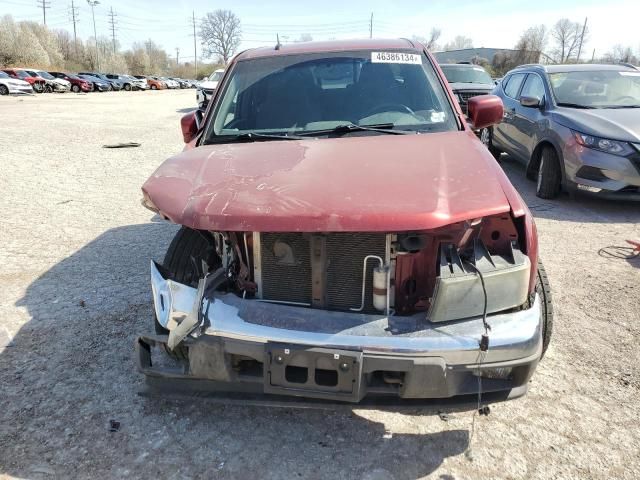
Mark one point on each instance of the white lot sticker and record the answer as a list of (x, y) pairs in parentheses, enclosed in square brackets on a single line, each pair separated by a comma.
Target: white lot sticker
[(396, 57), (630, 74)]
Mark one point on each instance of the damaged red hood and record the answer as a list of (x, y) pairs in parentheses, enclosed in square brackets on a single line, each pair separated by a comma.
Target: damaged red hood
[(365, 183)]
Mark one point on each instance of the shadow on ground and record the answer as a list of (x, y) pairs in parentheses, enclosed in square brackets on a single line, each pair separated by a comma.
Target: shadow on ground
[(69, 372), (582, 208)]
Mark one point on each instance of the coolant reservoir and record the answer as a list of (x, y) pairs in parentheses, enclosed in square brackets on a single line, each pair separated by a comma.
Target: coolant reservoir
[(380, 293)]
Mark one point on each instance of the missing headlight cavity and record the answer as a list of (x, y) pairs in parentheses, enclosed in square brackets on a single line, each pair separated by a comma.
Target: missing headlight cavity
[(458, 293)]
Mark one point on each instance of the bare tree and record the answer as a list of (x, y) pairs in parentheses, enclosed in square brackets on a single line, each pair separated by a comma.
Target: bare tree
[(220, 34), (530, 45), (620, 53), (434, 36), (459, 42), (567, 36)]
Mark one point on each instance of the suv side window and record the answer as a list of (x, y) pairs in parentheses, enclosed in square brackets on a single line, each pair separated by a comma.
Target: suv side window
[(533, 87), (513, 85)]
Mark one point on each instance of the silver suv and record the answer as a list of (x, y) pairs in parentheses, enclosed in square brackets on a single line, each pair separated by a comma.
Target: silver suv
[(575, 127)]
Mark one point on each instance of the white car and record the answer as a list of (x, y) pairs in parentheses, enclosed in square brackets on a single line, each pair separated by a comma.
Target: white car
[(9, 85), (170, 83), (56, 84), (135, 83), (207, 87)]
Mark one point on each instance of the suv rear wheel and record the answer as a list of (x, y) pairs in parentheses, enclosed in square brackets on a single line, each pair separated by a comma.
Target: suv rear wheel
[(486, 137), (549, 174)]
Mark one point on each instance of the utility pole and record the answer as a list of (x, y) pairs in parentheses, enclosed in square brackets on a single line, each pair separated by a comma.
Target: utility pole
[(112, 22), (584, 27), (44, 4), (195, 50), (74, 19), (92, 4), (371, 26), (177, 56)]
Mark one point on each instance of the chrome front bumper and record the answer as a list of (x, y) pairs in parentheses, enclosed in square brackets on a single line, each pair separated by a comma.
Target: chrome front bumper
[(513, 336), (435, 360)]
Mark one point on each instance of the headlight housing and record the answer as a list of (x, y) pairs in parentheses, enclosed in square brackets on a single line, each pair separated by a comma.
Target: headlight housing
[(614, 147)]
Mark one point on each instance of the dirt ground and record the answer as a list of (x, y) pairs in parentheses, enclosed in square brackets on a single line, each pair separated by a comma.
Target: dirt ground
[(75, 246)]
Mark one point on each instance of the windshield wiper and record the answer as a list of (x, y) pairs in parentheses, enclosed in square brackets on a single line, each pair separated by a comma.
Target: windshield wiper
[(622, 106), (254, 137), (573, 105), (352, 127)]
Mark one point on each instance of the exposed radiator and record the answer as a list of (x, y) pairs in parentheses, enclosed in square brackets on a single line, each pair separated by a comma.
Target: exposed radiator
[(286, 270)]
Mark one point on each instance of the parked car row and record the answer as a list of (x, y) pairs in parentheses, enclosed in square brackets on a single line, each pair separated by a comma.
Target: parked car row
[(575, 128), (25, 80)]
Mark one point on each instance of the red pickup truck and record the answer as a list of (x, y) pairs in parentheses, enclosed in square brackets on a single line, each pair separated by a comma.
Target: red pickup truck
[(345, 237)]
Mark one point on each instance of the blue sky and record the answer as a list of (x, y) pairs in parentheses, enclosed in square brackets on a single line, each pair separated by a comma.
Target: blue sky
[(492, 23)]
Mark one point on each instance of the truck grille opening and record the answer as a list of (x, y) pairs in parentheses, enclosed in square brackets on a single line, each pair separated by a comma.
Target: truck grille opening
[(290, 263)]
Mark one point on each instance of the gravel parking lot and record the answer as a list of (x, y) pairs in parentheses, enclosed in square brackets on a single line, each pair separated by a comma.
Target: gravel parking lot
[(75, 246)]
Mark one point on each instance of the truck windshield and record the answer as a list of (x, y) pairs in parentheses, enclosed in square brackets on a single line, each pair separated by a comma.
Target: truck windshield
[(465, 74), (597, 89), (318, 92)]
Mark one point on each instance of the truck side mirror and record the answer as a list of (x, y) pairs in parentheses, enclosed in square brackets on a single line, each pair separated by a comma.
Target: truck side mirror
[(190, 125), (484, 111)]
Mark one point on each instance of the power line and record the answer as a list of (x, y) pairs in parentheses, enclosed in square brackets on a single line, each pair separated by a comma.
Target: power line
[(92, 4), (195, 48), (44, 4), (74, 11), (584, 28), (112, 22)]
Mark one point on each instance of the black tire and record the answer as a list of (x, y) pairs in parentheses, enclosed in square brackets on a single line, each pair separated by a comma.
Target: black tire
[(549, 174), (153, 87), (75, 88), (37, 87), (188, 245), (127, 87), (48, 89), (486, 137), (4, 90), (543, 289)]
